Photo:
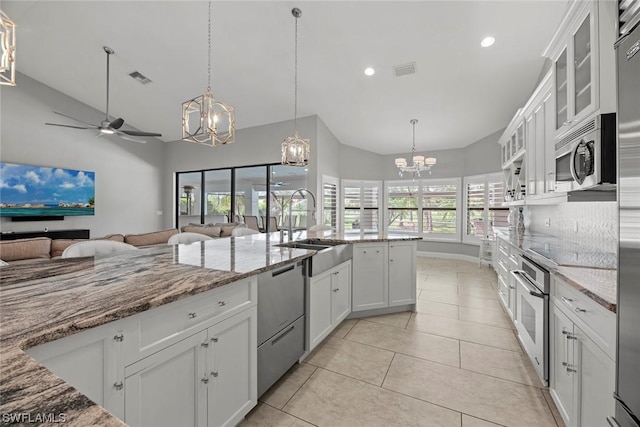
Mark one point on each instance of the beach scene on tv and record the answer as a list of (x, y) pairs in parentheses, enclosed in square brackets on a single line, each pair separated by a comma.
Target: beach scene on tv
[(45, 191)]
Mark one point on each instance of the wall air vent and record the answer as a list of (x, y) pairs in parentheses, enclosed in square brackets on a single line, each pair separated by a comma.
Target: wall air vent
[(139, 78), (404, 70)]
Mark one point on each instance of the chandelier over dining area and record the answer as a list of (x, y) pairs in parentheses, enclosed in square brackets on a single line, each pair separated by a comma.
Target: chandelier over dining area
[(418, 162)]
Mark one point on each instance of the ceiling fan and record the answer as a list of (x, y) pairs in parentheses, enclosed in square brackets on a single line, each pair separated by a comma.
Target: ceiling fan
[(108, 127)]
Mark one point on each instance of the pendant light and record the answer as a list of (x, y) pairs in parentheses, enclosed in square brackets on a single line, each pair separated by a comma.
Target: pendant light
[(205, 120), (418, 163), (7, 50), (295, 150)]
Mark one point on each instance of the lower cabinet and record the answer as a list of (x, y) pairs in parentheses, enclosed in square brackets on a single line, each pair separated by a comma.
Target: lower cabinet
[(582, 374), (384, 275), (329, 301), (205, 374)]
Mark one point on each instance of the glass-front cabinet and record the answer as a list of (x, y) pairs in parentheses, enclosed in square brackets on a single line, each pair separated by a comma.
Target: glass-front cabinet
[(583, 62)]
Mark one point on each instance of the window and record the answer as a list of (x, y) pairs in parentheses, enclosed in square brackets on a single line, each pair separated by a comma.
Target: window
[(361, 206), (329, 202), (483, 197), (427, 208)]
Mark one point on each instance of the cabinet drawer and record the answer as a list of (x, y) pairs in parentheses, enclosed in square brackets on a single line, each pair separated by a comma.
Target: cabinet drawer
[(600, 323), (503, 246), (163, 326)]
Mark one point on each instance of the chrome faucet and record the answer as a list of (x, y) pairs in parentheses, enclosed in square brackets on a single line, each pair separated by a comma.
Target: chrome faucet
[(313, 212)]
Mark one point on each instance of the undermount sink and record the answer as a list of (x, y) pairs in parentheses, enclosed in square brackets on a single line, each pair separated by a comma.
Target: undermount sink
[(328, 255)]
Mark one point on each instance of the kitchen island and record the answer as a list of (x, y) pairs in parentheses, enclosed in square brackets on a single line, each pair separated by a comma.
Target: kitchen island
[(45, 301)]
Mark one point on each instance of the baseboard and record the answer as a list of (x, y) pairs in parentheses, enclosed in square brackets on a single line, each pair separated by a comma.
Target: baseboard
[(445, 255)]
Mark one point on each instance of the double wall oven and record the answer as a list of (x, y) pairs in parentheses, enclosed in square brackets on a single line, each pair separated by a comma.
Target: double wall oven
[(532, 314)]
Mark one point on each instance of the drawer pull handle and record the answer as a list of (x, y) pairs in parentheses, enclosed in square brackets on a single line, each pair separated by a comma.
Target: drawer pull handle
[(569, 335), (192, 315), (579, 310), (222, 303), (511, 287), (283, 335), (205, 344), (205, 380), (214, 374), (336, 289), (118, 338), (118, 385), (570, 369), (214, 339)]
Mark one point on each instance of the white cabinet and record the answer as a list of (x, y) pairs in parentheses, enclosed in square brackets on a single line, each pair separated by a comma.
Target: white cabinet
[(582, 367), (329, 302), (513, 143), (91, 362), (384, 275), (169, 387), (583, 62), (540, 155), (370, 281), (507, 262), (402, 273), (192, 362)]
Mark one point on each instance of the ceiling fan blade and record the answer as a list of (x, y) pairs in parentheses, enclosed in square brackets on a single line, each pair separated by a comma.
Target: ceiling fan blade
[(117, 123), (73, 118), (130, 138), (67, 126), (139, 133)]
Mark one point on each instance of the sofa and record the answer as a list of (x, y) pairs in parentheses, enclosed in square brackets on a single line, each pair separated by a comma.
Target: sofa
[(39, 248)]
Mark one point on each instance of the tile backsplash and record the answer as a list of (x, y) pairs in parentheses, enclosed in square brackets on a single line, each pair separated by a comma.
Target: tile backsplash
[(590, 223)]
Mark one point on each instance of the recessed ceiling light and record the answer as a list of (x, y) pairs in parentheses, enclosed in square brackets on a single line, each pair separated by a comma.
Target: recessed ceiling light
[(369, 71), (487, 41)]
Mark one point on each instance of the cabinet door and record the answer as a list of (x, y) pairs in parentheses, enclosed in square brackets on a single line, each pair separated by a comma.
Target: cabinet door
[(561, 357), (340, 294), (319, 307), (583, 69), (549, 156), (232, 366), (531, 155), (562, 90), (169, 388), (595, 382), (370, 286), (402, 273)]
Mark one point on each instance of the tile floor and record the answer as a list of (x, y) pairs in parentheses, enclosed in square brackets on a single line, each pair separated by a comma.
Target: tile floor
[(456, 362)]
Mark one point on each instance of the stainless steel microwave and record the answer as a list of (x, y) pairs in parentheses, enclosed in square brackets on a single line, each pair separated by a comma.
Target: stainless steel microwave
[(586, 156)]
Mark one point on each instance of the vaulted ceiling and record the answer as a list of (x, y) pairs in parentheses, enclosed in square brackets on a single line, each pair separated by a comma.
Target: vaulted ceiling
[(460, 92)]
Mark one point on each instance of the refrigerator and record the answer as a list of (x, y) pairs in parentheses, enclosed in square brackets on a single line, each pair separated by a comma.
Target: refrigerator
[(627, 394)]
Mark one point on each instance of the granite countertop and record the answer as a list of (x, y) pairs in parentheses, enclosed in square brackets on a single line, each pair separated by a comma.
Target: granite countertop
[(588, 270), (332, 237), (51, 299)]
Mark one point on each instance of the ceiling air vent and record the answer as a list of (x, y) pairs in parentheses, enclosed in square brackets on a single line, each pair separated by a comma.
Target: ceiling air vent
[(139, 78), (404, 70)]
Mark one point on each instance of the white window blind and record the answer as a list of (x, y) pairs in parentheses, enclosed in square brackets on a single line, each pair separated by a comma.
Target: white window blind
[(483, 197), (402, 207), (361, 201), (440, 207), (498, 215), (330, 202)]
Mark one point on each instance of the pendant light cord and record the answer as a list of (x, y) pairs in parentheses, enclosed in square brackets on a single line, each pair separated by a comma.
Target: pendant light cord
[(295, 78), (413, 147), (209, 53)]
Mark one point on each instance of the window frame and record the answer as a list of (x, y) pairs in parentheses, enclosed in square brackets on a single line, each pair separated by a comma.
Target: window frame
[(330, 180), (484, 179), (361, 184)]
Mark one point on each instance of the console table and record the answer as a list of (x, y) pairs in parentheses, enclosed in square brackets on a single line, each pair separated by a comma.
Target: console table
[(53, 234)]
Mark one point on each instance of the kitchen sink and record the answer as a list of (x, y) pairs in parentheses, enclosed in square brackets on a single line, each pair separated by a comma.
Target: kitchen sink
[(327, 255)]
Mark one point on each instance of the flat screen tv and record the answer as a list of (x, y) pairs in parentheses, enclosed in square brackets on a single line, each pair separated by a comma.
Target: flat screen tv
[(38, 191)]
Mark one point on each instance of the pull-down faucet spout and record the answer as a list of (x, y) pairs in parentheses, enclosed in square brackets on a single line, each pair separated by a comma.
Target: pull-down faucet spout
[(313, 212)]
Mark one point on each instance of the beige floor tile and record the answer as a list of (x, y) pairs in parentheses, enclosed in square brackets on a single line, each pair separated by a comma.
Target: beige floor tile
[(287, 386), (441, 277), (505, 364), (343, 328), (440, 287), (433, 308), (352, 359), (333, 400), (399, 320), (418, 344), (466, 331), (478, 291), (485, 397), (486, 317), (553, 407), (469, 421), (464, 300), (266, 416)]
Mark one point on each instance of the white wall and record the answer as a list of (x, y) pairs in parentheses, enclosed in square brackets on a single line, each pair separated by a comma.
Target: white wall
[(128, 175)]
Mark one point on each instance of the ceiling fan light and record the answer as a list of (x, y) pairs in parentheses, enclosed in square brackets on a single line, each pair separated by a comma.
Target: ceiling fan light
[(7, 50), (107, 131)]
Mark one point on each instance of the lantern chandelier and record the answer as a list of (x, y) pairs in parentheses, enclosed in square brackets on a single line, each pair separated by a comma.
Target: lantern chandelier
[(7, 50), (205, 120), (295, 150), (418, 163)]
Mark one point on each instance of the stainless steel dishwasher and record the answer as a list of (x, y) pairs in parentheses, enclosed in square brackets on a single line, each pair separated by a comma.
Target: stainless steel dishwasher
[(280, 322)]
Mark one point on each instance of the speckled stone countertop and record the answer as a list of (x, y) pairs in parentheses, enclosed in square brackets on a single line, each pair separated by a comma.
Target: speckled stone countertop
[(50, 299), (588, 270)]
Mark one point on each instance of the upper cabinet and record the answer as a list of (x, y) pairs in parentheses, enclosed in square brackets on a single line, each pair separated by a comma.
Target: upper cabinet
[(513, 153), (583, 62)]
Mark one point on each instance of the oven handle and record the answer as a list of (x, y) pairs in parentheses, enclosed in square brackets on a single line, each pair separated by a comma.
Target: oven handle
[(525, 283)]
